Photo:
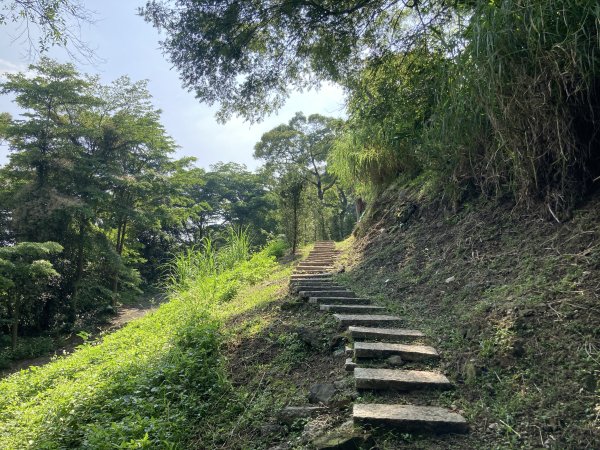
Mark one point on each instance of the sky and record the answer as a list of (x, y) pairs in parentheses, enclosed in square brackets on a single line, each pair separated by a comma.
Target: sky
[(126, 45)]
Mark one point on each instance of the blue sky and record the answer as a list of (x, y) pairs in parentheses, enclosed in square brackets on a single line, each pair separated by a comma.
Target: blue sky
[(126, 45)]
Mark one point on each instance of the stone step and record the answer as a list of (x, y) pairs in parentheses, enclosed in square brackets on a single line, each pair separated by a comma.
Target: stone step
[(315, 264), (325, 275), (410, 418), (401, 380), (339, 300), (316, 285), (301, 280), (365, 309), (350, 365), (366, 319), (385, 349), (306, 287), (325, 294), (323, 278), (383, 333), (311, 272)]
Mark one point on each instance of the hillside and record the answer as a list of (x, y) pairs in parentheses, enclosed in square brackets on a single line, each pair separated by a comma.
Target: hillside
[(508, 298), (513, 300)]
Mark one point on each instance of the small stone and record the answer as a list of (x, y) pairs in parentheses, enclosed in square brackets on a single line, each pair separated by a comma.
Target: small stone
[(343, 438), (450, 279), (309, 337), (350, 365), (339, 384), (339, 352), (337, 341), (395, 361), (312, 429), (322, 393), (493, 426)]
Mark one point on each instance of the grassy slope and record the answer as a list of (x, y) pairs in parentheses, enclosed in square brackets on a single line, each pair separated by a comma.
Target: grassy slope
[(151, 384), (512, 302), (518, 328)]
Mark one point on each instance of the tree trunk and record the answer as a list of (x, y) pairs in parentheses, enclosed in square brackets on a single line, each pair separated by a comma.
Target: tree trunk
[(78, 271), (15, 324), (295, 229), (360, 207), (121, 229)]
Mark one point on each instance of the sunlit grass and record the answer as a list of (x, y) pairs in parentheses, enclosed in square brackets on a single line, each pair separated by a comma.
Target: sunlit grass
[(145, 385)]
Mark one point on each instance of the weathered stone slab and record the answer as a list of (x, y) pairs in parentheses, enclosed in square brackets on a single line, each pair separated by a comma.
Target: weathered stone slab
[(352, 308), (401, 380), (366, 319), (321, 257), (410, 418), (350, 365), (385, 349), (339, 300), (322, 393), (315, 264), (317, 287), (298, 278), (324, 294), (310, 271), (345, 437), (301, 276), (328, 264), (308, 280), (358, 332), (298, 289)]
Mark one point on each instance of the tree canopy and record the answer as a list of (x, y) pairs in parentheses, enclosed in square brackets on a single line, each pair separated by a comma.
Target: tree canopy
[(248, 55)]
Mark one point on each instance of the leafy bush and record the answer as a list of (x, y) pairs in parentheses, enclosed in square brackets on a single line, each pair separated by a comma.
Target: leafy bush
[(27, 347), (277, 247)]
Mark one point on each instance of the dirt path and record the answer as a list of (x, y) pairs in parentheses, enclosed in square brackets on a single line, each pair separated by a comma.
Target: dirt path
[(125, 315)]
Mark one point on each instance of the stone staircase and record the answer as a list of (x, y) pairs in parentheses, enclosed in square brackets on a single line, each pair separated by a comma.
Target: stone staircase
[(377, 337)]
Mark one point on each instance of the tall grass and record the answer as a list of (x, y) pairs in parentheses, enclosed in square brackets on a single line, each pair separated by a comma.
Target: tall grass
[(522, 101), (197, 263), (513, 107)]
